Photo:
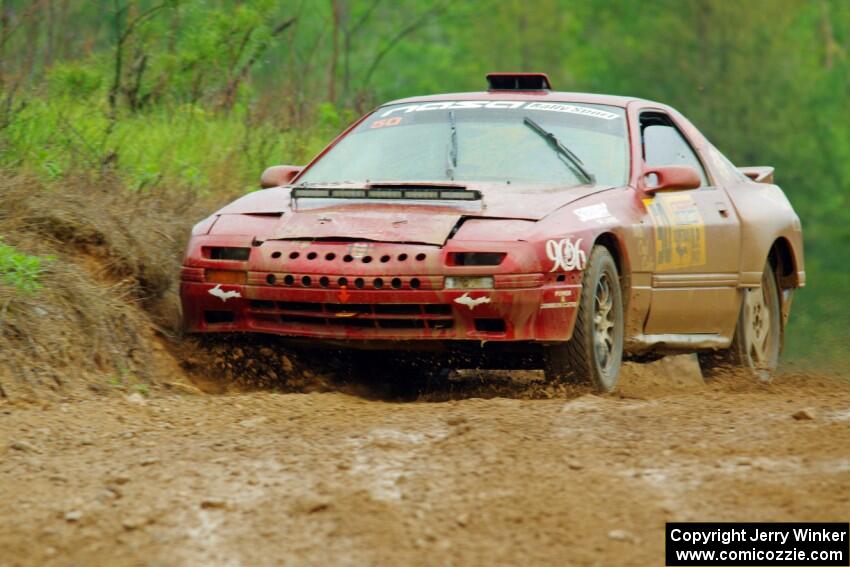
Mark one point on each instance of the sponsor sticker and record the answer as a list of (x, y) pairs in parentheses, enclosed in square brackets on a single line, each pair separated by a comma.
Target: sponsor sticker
[(563, 295), (358, 250), (343, 294), (223, 295), (679, 232), (572, 109), (566, 255), (500, 105), (472, 302), (559, 305), (598, 213)]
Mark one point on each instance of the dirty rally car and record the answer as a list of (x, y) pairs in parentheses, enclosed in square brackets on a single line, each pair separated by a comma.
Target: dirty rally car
[(517, 227)]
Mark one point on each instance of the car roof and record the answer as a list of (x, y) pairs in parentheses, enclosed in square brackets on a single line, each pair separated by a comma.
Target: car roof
[(541, 95)]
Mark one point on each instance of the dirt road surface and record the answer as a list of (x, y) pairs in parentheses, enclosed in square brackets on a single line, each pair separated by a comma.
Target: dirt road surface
[(456, 477)]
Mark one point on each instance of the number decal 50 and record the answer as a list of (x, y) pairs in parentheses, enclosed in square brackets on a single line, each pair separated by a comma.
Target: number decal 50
[(386, 122)]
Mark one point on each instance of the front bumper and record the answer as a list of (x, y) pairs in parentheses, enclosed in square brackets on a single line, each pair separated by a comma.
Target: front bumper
[(372, 291), (544, 313)]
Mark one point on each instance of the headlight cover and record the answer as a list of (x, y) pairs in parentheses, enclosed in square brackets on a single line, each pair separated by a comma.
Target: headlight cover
[(469, 282)]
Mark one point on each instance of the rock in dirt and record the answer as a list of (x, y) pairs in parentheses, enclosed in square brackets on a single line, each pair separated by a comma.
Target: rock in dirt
[(804, 414), (131, 524), (136, 399), (23, 446), (621, 535), (253, 422), (213, 504), (73, 516), (183, 388), (455, 420), (311, 504)]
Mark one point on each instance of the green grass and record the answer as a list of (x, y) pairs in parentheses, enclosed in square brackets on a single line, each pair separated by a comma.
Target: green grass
[(184, 146)]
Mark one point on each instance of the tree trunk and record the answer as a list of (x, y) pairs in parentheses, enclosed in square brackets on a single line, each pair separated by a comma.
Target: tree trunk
[(335, 17)]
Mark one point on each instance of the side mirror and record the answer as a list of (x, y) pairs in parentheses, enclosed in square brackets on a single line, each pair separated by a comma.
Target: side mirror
[(670, 177), (278, 175)]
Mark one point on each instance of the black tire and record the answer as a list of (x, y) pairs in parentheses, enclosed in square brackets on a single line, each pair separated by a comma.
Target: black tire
[(579, 360), (757, 342)]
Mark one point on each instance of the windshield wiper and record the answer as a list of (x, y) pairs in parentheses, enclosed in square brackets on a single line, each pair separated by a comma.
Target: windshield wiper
[(450, 170), (573, 162)]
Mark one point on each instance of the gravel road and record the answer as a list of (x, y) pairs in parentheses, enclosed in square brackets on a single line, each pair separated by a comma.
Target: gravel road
[(455, 477)]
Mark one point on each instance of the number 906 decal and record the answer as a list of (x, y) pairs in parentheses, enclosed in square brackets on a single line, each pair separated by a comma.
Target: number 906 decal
[(566, 255)]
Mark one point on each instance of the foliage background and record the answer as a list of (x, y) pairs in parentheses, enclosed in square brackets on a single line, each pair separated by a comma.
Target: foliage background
[(200, 95)]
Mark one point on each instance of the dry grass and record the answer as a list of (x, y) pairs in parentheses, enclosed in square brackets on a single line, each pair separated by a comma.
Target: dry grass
[(107, 294)]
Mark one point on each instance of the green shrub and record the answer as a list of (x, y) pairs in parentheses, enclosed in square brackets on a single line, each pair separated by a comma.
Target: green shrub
[(20, 270), (74, 79)]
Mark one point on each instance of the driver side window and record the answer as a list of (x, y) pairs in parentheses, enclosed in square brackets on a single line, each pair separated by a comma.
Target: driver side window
[(663, 144)]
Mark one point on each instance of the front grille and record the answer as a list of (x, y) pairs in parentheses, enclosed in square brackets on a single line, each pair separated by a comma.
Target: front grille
[(388, 316), (328, 281)]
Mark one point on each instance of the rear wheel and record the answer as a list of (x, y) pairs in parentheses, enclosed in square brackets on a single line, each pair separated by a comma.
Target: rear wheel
[(757, 342), (595, 352)]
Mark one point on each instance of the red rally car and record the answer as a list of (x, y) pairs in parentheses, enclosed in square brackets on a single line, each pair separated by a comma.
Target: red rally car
[(516, 227)]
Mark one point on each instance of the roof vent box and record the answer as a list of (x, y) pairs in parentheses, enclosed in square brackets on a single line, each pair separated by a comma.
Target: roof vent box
[(518, 82)]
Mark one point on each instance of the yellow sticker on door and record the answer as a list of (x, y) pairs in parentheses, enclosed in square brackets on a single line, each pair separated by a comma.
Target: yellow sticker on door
[(679, 231)]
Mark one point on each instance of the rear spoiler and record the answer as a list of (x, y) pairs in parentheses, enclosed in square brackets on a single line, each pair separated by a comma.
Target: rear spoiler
[(758, 173)]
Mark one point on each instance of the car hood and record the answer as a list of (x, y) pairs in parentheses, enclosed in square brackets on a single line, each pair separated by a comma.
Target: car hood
[(427, 222)]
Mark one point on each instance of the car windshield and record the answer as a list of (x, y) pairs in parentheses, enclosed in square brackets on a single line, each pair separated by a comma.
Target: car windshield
[(486, 141)]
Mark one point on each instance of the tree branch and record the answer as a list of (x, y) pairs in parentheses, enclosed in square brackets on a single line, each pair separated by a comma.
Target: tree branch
[(140, 19), (233, 84), (404, 32), (363, 18)]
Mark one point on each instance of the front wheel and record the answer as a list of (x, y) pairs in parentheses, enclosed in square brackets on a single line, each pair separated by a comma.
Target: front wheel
[(595, 351), (757, 342)]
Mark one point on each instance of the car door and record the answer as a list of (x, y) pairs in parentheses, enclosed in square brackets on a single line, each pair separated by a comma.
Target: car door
[(697, 240)]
